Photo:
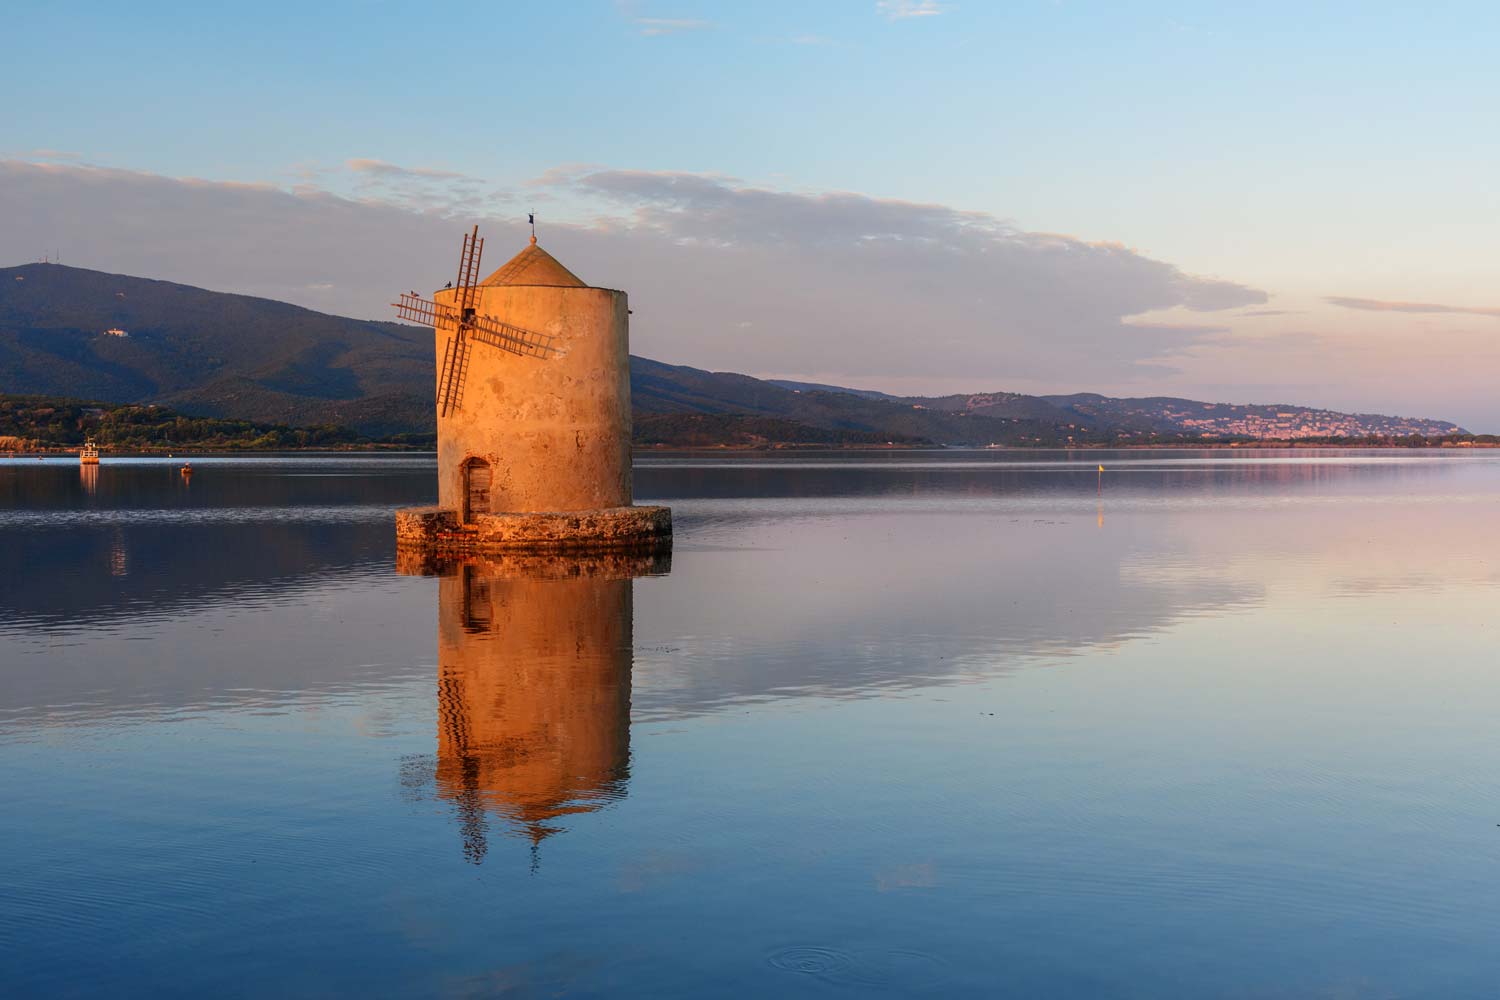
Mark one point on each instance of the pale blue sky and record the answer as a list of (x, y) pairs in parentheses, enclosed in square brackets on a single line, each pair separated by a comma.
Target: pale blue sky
[(1306, 150)]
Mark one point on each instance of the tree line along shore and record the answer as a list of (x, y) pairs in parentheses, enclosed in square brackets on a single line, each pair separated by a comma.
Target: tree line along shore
[(43, 424)]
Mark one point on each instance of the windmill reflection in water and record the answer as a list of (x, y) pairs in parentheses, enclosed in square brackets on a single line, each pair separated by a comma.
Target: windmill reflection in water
[(533, 691)]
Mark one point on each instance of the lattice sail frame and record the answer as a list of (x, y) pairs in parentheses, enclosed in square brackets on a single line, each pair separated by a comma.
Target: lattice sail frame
[(484, 329), (462, 322)]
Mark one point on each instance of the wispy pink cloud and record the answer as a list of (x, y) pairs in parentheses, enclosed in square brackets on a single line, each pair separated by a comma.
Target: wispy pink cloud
[(1380, 305), (380, 168), (50, 154)]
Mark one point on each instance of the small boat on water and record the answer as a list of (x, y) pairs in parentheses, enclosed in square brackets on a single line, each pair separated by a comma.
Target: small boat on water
[(89, 453), (187, 469)]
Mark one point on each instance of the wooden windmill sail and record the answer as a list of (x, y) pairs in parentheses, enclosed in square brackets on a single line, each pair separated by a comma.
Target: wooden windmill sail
[(463, 324)]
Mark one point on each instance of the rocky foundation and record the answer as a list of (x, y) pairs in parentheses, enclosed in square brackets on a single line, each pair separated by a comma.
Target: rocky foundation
[(440, 531)]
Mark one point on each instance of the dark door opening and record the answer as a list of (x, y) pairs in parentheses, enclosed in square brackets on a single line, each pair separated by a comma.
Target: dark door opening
[(476, 487)]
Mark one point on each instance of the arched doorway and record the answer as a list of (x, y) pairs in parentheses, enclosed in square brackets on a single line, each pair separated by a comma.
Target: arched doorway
[(476, 487)]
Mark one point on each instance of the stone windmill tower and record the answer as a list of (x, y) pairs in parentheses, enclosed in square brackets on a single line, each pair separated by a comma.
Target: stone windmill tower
[(533, 412)]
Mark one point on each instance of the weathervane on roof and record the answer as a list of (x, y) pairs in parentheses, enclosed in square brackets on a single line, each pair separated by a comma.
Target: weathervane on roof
[(531, 218)]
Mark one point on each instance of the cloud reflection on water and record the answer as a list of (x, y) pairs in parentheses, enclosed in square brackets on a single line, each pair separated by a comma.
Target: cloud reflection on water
[(793, 578)]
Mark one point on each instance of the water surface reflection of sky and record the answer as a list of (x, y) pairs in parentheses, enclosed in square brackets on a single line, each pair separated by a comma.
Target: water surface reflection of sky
[(967, 722)]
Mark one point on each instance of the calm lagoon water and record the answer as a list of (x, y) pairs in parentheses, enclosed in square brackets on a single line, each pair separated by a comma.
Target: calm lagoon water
[(946, 723)]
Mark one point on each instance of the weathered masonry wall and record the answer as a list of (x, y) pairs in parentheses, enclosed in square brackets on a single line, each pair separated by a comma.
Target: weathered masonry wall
[(555, 430)]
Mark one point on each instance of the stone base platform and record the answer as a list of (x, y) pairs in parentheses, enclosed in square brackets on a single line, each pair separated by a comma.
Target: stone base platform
[(439, 530)]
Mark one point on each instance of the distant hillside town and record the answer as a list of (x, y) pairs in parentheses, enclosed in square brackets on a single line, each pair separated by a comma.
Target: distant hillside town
[(1280, 423), (1293, 425)]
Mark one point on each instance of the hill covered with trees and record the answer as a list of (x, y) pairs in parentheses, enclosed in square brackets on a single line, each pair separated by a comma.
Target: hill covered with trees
[(73, 334), (43, 422), (81, 334)]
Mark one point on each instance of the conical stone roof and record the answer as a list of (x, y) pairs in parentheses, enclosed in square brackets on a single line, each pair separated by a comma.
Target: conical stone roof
[(534, 266)]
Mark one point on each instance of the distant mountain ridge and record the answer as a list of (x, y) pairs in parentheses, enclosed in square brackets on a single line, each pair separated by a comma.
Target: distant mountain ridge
[(821, 387), (84, 334)]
